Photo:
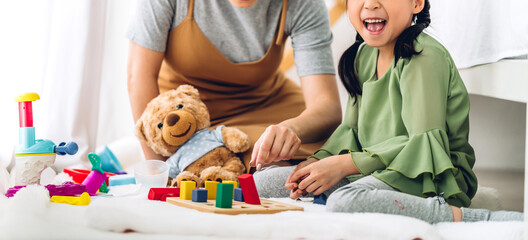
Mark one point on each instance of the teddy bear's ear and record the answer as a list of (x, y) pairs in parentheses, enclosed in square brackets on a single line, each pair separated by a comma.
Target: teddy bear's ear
[(139, 130), (189, 90)]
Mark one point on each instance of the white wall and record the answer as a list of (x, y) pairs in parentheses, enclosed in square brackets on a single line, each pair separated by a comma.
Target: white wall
[(497, 129)]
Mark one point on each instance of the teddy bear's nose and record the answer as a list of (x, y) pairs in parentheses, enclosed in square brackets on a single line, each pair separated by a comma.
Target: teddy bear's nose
[(172, 119)]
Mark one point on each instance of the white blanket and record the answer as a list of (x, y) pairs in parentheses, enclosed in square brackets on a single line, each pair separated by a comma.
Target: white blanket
[(30, 215)]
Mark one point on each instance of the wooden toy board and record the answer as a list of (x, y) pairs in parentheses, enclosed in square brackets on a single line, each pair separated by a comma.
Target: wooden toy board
[(266, 207)]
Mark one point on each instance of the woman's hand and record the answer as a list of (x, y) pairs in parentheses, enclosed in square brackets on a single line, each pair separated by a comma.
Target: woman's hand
[(319, 176), (275, 144)]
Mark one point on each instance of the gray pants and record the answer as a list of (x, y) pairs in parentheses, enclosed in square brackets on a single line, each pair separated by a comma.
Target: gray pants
[(368, 194)]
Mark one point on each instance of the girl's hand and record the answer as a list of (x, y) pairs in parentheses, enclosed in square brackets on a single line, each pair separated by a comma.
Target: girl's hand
[(292, 185), (275, 144), (321, 175)]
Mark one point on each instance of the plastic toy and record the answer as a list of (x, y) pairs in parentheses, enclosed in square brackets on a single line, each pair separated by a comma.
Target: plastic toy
[(238, 195), (65, 189), (224, 195), (158, 193), (249, 190), (121, 180), (320, 199), (199, 195), (96, 178), (78, 175), (109, 162), (34, 155), (82, 200)]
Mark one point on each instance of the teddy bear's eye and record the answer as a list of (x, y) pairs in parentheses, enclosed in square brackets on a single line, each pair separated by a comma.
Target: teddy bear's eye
[(160, 125), (179, 106)]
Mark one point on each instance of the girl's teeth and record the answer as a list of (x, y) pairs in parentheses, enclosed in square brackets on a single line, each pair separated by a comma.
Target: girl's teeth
[(374, 20)]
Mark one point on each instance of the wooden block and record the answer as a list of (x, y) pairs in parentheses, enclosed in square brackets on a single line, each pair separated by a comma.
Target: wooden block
[(210, 186), (224, 195), (186, 189), (320, 199), (199, 195), (249, 190), (235, 185), (238, 195), (266, 207)]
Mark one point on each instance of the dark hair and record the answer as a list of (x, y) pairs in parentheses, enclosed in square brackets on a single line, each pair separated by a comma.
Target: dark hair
[(404, 48)]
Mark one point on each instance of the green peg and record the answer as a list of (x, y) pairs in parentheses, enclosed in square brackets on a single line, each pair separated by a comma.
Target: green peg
[(103, 188), (96, 162)]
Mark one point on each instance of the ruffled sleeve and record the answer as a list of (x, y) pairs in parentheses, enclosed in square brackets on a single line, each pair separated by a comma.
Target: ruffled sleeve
[(345, 137)]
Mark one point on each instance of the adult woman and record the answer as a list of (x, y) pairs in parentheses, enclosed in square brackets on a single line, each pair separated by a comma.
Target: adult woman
[(231, 51)]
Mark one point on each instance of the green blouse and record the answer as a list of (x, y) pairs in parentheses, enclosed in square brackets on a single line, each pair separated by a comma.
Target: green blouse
[(410, 127)]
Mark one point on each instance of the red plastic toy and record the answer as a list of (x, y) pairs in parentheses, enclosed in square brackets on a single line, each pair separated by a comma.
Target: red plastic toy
[(78, 175), (162, 193)]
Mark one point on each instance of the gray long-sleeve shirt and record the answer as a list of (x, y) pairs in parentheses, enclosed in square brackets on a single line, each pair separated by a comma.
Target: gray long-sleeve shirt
[(242, 34)]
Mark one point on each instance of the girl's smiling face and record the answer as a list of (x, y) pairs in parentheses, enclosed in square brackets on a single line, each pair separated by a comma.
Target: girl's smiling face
[(380, 22)]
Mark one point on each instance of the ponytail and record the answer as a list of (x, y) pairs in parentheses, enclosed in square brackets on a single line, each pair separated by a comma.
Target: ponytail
[(404, 48), (347, 70), (405, 43)]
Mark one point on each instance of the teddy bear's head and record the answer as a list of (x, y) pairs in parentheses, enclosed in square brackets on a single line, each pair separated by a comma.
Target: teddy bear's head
[(171, 118)]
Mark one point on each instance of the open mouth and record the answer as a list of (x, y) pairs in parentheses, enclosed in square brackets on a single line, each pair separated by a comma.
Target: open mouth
[(184, 133), (374, 25)]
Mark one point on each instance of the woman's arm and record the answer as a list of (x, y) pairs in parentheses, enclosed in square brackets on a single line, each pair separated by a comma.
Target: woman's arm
[(321, 116), (323, 109), (143, 68)]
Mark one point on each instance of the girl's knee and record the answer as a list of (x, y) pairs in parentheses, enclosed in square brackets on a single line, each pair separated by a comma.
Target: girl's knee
[(270, 181), (347, 199)]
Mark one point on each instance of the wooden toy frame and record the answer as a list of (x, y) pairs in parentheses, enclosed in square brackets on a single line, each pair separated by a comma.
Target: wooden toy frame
[(266, 207)]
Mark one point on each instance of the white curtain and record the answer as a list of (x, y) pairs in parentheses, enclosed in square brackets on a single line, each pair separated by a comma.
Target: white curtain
[(480, 31), (73, 54)]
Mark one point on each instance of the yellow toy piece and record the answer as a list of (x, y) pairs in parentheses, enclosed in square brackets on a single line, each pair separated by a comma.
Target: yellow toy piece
[(186, 189), (235, 185), (27, 97), (82, 200), (210, 186)]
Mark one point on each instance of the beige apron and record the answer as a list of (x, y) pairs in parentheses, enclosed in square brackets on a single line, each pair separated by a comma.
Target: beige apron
[(250, 95)]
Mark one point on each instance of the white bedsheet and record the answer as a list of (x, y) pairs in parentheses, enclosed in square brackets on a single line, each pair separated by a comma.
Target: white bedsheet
[(30, 215)]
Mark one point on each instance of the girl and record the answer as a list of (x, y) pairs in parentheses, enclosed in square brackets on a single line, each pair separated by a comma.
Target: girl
[(403, 145)]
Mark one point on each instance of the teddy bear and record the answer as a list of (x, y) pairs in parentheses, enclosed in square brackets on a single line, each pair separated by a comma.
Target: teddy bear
[(176, 124)]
